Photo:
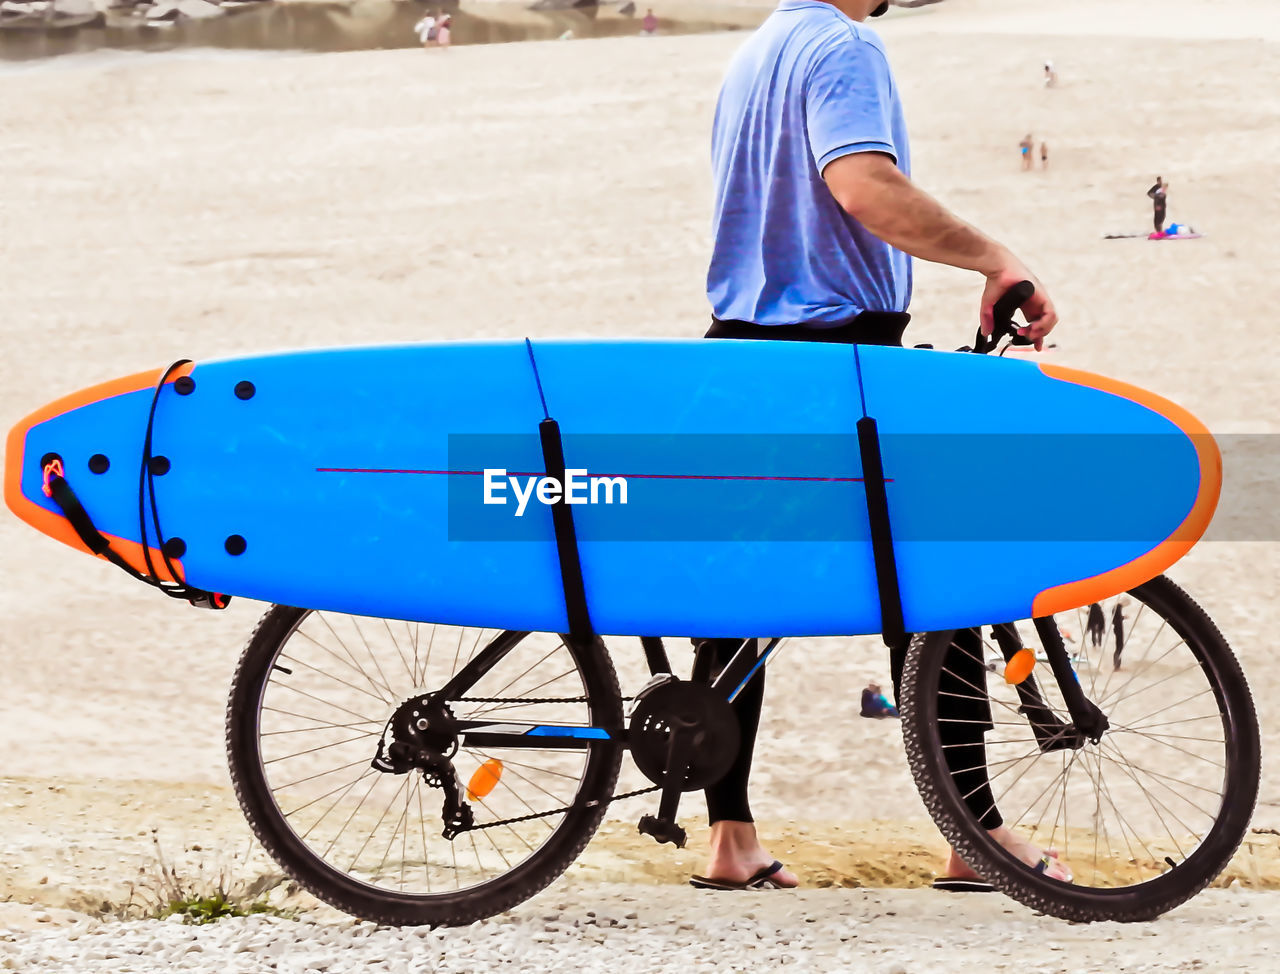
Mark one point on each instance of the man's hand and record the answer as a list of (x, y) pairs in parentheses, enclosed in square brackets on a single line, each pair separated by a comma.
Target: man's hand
[(1039, 311)]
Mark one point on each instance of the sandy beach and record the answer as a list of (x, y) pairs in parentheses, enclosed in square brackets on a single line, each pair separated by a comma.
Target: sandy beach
[(212, 207)]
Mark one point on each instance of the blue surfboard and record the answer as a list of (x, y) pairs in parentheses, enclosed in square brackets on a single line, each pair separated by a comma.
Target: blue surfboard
[(716, 486)]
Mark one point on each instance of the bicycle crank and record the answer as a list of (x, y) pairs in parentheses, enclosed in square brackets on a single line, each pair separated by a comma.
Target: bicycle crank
[(683, 737)]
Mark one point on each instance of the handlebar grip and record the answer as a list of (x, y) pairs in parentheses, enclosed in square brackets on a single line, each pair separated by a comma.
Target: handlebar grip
[(1003, 310)]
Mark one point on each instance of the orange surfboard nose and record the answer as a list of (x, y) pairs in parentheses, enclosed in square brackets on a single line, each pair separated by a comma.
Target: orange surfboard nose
[(55, 525)]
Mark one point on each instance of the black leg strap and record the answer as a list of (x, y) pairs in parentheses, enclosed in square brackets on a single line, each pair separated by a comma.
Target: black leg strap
[(891, 624)]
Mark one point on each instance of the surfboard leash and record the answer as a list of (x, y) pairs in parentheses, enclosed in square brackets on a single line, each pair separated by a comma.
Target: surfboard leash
[(57, 488)]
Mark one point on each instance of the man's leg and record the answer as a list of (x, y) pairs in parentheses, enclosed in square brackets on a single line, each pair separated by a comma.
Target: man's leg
[(727, 798), (736, 853), (964, 717)]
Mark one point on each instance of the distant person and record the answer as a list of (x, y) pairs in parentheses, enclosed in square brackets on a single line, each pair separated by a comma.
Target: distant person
[(874, 703), (1159, 194), (1096, 626), (1117, 628), (650, 23), (426, 30), (1026, 145), (1044, 155), (1050, 75), (444, 33)]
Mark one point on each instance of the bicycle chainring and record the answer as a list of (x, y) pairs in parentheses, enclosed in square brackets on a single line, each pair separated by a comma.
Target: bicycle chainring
[(711, 732)]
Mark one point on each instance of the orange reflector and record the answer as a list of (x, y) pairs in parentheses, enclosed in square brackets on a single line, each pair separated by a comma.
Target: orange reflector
[(1019, 667), (485, 779)]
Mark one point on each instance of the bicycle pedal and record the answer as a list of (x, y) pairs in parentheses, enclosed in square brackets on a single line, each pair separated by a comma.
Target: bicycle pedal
[(662, 831)]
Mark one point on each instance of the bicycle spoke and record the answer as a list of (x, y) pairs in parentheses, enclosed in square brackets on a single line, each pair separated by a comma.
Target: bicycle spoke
[(351, 656), (330, 676), (396, 643)]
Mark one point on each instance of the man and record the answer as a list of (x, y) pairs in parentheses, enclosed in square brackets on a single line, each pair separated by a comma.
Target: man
[(1117, 629), (816, 220), (1097, 625), (1159, 194)]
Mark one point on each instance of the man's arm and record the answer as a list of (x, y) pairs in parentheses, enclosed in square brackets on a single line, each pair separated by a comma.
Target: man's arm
[(871, 189)]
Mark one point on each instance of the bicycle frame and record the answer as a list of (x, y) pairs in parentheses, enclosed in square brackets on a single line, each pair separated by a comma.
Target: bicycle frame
[(748, 660)]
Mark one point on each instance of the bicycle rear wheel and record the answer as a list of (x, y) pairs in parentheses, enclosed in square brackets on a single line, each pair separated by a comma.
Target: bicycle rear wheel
[(1146, 817), (313, 698)]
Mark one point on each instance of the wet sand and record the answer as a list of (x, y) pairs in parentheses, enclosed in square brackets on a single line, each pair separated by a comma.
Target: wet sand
[(291, 27)]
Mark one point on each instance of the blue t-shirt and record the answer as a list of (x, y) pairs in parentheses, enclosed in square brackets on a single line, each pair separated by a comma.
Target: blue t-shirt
[(810, 86)]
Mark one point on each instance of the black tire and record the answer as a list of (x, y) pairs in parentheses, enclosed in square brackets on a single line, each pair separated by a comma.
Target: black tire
[(330, 882), (1144, 892)]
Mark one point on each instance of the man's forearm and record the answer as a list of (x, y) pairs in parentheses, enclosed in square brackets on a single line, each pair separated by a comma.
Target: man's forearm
[(895, 210)]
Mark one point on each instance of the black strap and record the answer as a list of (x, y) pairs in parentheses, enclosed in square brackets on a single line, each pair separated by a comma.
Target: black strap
[(891, 624), (575, 592), (147, 487), (74, 512)]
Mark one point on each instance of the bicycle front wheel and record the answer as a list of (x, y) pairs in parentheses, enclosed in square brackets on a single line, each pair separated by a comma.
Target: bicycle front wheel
[(1146, 817), (314, 696)]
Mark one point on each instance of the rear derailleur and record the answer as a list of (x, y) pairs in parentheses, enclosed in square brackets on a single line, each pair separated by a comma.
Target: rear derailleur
[(423, 739)]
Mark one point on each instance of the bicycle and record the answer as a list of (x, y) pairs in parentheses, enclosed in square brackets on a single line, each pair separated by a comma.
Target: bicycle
[(510, 745)]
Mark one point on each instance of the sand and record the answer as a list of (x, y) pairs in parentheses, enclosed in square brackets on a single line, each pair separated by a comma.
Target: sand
[(196, 208)]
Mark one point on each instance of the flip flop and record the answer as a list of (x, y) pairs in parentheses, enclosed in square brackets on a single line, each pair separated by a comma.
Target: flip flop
[(764, 879), (958, 884), (1043, 865), (962, 884)]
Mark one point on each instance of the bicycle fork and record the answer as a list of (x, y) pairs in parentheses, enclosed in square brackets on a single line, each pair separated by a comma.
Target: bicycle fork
[(1087, 721)]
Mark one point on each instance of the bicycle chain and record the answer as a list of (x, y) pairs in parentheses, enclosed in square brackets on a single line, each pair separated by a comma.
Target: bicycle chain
[(526, 699), (555, 811)]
